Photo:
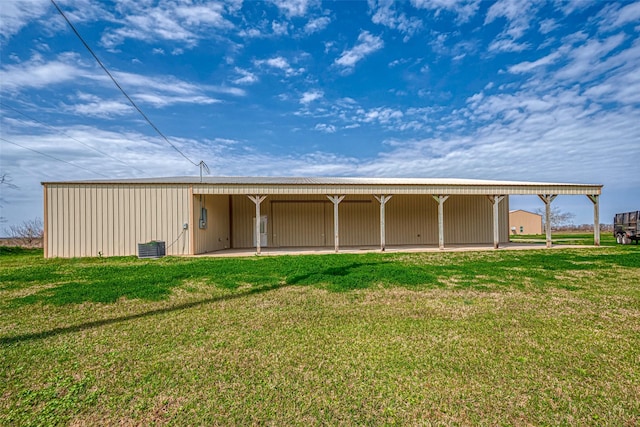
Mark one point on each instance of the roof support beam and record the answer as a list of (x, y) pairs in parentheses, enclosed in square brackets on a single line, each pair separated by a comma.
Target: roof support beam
[(595, 199), (547, 199), (336, 235), (440, 199), (495, 200), (383, 199), (257, 199)]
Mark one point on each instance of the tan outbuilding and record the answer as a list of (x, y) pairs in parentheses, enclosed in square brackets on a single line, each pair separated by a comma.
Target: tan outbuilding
[(198, 215), (525, 222)]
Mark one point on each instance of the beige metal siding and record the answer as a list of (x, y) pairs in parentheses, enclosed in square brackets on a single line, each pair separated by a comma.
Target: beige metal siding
[(243, 212), (469, 220), (531, 223), (307, 220), (111, 220), (216, 235), (298, 224), (411, 220), (359, 221)]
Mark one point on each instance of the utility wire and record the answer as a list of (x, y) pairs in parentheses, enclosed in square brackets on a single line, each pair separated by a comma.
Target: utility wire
[(69, 136), (52, 157), (202, 164)]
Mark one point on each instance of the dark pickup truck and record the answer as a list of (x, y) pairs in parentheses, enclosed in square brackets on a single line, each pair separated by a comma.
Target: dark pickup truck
[(625, 227)]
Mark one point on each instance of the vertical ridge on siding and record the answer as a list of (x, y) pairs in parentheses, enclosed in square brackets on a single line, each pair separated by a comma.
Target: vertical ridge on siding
[(45, 222)]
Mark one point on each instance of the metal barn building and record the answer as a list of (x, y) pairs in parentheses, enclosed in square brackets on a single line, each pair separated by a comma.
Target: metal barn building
[(195, 216), (524, 222)]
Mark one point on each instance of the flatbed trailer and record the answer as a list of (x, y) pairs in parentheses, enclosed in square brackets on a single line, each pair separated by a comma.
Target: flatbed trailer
[(625, 227)]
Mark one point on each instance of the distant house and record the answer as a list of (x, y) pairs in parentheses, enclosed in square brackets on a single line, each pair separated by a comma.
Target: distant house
[(524, 222)]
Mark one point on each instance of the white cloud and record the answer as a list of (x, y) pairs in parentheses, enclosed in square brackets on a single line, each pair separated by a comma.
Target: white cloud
[(280, 28), (586, 60), (210, 14), (279, 63), (311, 96), (527, 66), (518, 15), (615, 16), (293, 8), (317, 24), (367, 44), (102, 108), (38, 73), (252, 33), (464, 9), (548, 25), (15, 15), (322, 127), (507, 45), (158, 91), (246, 77), (385, 13), (177, 22)]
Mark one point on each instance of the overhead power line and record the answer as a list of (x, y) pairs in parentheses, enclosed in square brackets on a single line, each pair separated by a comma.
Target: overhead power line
[(52, 157), (202, 164), (69, 136)]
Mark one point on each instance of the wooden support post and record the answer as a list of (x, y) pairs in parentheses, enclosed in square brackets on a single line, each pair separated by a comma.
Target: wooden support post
[(383, 201), (495, 200), (257, 199), (440, 199), (547, 199), (596, 218), (336, 201)]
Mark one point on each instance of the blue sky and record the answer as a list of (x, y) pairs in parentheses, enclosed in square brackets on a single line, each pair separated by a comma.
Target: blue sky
[(507, 90)]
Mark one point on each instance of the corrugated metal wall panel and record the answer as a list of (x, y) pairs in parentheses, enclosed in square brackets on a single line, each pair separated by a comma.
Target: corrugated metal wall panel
[(112, 219), (243, 212), (468, 219), (411, 220), (359, 221), (216, 235), (297, 224)]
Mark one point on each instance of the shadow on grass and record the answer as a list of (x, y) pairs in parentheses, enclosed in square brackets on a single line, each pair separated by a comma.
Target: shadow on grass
[(106, 281), (114, 320), (338, 278)]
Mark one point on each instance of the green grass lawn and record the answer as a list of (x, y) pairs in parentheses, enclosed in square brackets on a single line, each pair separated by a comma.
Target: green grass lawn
[(566, 238), (537, 337)]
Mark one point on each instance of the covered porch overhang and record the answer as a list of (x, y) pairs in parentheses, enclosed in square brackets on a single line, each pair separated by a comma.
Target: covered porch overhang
[(336, 189)]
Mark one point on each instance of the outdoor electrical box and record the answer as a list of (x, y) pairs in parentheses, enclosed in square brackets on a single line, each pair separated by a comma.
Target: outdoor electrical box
[(203, 218)]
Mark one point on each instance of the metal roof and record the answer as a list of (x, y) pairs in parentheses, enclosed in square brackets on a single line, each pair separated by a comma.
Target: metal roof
[(269, 180), (349, 185)]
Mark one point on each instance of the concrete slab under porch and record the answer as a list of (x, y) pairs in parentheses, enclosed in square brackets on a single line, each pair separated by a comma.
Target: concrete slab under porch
[(248, 252)]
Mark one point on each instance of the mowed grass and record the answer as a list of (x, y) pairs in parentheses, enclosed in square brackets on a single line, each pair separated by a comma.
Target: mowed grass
[(566, 238), (537, 337)]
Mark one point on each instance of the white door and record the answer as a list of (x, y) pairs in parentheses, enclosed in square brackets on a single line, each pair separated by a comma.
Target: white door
[(263, 231)]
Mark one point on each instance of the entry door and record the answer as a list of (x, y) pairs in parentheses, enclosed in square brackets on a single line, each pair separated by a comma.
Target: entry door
[(263, 231)]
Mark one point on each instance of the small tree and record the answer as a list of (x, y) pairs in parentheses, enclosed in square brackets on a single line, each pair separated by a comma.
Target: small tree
[(5, 182), (558, 218), (27, 232)]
